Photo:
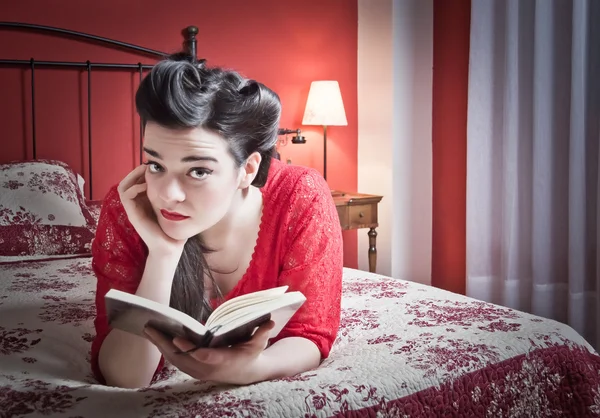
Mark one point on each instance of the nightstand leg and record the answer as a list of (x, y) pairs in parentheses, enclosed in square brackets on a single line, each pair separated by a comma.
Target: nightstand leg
[(372, 250)]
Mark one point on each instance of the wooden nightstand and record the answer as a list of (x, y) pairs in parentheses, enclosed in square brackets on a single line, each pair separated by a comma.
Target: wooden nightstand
[(357, 211)]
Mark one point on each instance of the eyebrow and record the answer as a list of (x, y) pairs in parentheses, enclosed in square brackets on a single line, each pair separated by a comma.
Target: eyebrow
[(188, 159)]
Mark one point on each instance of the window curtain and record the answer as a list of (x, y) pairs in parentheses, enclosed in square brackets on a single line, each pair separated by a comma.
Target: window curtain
[(533, 130)]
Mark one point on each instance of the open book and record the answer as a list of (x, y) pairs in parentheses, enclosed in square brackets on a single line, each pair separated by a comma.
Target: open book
[(233, 322)]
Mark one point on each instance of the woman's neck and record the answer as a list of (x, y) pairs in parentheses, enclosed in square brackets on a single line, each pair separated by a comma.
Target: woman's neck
[(246, 208)]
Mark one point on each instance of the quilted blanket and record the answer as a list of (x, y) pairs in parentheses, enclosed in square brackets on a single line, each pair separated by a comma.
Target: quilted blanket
[(403, 349)]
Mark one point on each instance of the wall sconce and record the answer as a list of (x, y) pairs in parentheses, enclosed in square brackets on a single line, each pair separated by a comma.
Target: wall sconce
[(296, 139), (324, 106)]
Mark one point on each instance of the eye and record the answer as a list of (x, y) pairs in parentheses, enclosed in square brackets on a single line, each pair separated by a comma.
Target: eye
[(200, 173), (153, 167)]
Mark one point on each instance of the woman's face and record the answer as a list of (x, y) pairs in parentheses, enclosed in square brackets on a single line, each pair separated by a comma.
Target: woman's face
[(192, 179)]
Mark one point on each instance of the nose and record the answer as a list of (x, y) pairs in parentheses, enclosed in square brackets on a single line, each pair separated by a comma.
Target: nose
[(171, 191)]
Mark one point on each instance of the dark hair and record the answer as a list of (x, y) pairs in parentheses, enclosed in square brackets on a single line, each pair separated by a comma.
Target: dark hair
[(181, 94)]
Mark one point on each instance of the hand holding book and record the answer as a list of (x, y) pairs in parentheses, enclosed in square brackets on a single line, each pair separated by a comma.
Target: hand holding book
[(240, 364)]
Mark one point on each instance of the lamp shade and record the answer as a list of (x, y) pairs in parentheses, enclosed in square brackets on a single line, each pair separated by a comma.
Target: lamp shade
[(324, 105)]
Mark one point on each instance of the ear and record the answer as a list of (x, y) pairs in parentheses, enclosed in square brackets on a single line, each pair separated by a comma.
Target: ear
[(249, 170)]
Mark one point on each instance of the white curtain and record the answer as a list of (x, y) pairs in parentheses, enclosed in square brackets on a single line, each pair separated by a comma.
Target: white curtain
[(533, 184)]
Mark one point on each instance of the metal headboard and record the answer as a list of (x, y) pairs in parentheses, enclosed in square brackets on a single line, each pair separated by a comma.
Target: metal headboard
[(189, 46)]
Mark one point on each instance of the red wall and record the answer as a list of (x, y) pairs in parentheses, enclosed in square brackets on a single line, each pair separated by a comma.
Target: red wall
[(284, 44), (451, 31)]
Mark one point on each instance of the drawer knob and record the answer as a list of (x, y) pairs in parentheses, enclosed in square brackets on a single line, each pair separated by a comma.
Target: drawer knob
[(361, 215)]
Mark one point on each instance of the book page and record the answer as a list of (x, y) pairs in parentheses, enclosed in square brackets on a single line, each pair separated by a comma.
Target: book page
[(242, 301), (279, 310)]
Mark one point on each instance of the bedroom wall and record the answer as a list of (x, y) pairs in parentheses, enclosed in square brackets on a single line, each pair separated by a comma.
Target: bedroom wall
[(286, 45), (452, 26)]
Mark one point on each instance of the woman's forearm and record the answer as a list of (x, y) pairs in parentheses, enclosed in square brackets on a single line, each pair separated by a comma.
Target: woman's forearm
[(287, 357), (127, 360)]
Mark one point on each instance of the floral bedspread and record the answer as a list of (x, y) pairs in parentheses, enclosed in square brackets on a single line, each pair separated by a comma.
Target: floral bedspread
[(403, 349)]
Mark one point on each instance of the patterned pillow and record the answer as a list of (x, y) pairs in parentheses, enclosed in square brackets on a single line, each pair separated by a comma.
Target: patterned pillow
[(43, 210)]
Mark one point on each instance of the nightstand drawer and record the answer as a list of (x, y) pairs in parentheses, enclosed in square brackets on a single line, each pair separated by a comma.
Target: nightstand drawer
[(362, 216)]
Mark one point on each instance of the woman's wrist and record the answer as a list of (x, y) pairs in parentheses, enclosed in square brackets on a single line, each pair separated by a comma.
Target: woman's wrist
[(167, 252), (164, 257), (286, 357), (157, 279)]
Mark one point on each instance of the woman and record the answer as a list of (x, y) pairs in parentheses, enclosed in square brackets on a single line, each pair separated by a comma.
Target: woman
[(210, 216)]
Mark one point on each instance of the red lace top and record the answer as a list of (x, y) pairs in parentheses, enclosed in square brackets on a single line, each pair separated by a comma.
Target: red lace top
[(299, 244)]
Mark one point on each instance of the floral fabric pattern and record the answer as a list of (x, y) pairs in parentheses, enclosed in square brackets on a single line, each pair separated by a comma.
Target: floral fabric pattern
[(404, 350), (43, 211)]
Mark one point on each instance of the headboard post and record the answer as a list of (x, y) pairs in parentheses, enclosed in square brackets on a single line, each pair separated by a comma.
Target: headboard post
[(190, 41)]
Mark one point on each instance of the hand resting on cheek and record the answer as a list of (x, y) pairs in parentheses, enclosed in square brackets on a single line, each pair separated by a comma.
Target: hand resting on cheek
[(132, 191)]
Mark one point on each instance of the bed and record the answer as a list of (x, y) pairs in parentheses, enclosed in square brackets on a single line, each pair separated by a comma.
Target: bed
[(403, 349)]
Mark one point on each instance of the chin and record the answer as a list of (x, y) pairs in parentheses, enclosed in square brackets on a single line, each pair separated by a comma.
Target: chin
[(178, 236), (178, 232)]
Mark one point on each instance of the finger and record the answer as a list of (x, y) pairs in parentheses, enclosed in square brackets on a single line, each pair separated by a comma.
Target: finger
[(268, 325), (163, 343), (210, 355), (204, 355), (133, 191), (183, 344), (260, 338), (131, 178), (262, 333), (142, 177)]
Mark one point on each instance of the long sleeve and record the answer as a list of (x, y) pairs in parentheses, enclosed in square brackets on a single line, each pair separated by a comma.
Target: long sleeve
[(313, 263), (118, 259)]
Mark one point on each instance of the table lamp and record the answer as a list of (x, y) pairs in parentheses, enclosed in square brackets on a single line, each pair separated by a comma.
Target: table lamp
[(324, 107)]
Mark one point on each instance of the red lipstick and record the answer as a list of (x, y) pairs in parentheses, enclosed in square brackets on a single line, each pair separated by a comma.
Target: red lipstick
[(172, 216)]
